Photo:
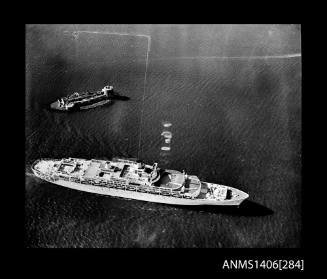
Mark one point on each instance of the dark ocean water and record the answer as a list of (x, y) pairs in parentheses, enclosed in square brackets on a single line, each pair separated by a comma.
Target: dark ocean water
[(235, 119)]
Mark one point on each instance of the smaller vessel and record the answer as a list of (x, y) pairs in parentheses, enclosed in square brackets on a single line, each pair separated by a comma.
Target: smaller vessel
[(87, 100)]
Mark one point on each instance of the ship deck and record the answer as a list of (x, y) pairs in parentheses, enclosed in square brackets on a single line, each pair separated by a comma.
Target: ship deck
[(92, 170), (131, 173)]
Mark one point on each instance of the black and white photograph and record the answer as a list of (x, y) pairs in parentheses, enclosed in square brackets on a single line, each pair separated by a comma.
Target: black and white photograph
[(163, 136)]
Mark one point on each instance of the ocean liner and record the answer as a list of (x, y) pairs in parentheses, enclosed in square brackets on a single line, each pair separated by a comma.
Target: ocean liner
[(133, 179), (87, 100)]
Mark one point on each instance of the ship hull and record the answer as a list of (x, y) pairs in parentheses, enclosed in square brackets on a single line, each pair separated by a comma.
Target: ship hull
[(143, 196), (87, 100), (95, 105), (76, 107)]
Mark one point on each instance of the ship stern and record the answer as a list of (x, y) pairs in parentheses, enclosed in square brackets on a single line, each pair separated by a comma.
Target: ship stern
[(41, 167)]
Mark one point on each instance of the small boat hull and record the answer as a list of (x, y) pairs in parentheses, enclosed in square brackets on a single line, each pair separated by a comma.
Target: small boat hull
[(82, 101)]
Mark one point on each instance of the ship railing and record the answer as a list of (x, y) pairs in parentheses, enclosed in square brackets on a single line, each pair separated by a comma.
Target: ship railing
[(116, 159), (47, 177), (160, 191), (122, 185), (156, 190), (63, 177)]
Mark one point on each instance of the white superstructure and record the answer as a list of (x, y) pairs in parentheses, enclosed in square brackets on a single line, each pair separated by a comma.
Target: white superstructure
[(135, 180)]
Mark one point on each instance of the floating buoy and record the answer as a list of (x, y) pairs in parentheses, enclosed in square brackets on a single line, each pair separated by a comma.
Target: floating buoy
[(167, 134), (166, 124)]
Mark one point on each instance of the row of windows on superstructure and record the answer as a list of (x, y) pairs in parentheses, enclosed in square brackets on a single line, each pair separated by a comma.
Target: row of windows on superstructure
[(123, 185)]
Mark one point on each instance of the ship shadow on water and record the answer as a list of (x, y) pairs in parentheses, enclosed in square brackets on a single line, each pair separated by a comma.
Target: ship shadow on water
[(246, 208)]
